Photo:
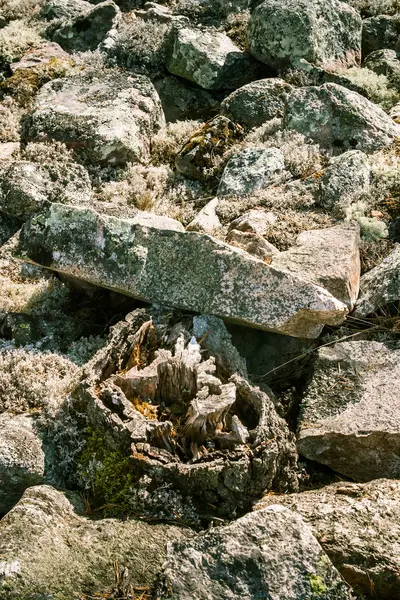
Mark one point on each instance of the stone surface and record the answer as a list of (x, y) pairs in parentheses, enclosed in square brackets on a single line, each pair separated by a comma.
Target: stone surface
[(253, 243), (257, 102), (380, 286), (64, 9), (49, 53), (282, 31), (206, 221), (22, 458), (383, 62), (209, 59), (270, 553), (181, 101), (110, 119), (86, 31), (251, 169), (254, 221), (334, 116), (186, 270), (381, 31), (329, 258), (344, 181), (48, 550), (349, 414), (7, 150), (25, 186), (358, 527)]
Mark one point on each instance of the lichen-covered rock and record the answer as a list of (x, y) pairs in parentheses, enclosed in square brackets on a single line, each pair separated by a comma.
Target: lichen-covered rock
[(328, 257), (282, 31), (209, 59), (182, 101), (86, 31), (206, 221), (383, 62), (338, 118), (358, 527), (257, 102), (182, 269), (381, 31), (344, 181), (270, 553), (251, 169), (8, 226), (380, 286), (25, 186), (49, 53), (253, 243), (254, 221), (43, 531), (349, 415), (64, 9), (22, 458), (110, 118)]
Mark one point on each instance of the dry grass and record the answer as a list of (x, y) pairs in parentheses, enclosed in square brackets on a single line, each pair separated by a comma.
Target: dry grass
[(10, 115), (369, 8), (166, 144), (16, 38), (18, 9), (377, 87)]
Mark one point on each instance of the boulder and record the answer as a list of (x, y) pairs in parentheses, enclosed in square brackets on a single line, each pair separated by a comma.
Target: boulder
[(338, 118), (283, 31), (22, 458), (206, 221), (349, 414), (251, 169), (257, 102), (358, 527), (344, 181), (111, 119), (48, 54), (182, 101), (254, 221), (381, 31), (64, 9), (48, 550), (327, 257), (380, 286), (25, 186), (270, 553), (210, 59), (182, 269), (383, 62), (8, 227), (87, 30), (253, 243)]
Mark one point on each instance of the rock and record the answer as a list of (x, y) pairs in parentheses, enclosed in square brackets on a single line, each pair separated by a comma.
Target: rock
[(282, 31), (209, 59), (270, 553), (86, 31), (21, 458), (395, 113), (25, 186), (381, 31), (181, 101), (64, 9), (254, 221), (236, 6), (306, 73), (251, 169), (380, 286), (45, 55), (334, 116), (358, 527), (344, 181), (157, 12), (8, 227), (196, 159), (327, 257), (182, 269), (111, 118), (257, 102), (44, 530), (383, 62), (253, 244), (7, 149), (353, 430), (207, 220), (218, 341)]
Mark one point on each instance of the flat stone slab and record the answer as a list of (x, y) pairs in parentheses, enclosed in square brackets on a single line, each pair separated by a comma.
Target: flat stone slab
[(381, 285), (163, 264)]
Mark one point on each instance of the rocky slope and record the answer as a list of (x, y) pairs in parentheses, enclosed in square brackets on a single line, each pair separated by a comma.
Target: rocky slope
[(199, 299)]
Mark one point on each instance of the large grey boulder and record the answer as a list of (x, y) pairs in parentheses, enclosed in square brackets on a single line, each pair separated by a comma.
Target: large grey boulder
[(182, 269), (381, 31), (283, 31), (327, 257), (270, 553), (383, 62), (25, 186), (251, 169), (110, 119), (380, 286), (64, 9), (210, 59), (338, 118), (22, 458), (349, 415), (257, 102), (358, 527), (48, 551)]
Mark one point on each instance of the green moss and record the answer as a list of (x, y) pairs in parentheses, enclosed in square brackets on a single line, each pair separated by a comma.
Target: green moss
[(107, 476), (318, 586)]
